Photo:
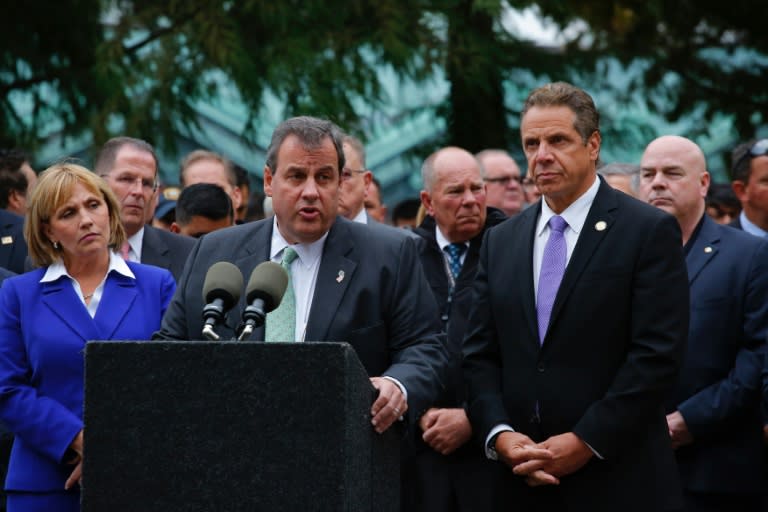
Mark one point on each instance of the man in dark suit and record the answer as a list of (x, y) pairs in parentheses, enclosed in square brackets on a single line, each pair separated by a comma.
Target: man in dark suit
[(578, 329), (355, 181), (349, 282), (446, 472), (130, 167), (17, 179), (714, 411), (13, 248), (749, 175)]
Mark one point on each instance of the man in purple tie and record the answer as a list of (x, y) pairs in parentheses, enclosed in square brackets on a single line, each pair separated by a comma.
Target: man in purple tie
[(577, 329)]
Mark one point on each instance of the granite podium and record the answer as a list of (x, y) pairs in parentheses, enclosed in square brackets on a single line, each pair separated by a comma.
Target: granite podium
[(233, 426)]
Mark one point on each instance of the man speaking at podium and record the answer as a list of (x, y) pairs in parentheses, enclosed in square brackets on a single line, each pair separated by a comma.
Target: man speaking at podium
[(348, 282)]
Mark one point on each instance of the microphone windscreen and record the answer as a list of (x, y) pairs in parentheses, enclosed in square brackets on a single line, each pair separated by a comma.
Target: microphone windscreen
[(268, 282), (223, 281)]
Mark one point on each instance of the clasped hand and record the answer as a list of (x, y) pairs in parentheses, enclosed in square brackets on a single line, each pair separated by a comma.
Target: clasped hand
[(77, 473), (543, 463)]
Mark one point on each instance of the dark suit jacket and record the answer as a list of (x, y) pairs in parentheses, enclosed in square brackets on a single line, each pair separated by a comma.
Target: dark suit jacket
[(13, 247), (718, 392), (44, 328), (453, 315), (165, 249), (382, 307), (609, 359)]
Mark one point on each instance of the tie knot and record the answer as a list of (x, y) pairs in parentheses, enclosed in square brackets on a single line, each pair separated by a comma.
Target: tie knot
[(557, 223), (289, 254), (455, 250)]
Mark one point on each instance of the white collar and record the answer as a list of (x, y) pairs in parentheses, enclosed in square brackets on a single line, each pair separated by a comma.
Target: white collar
[(308, 253), (576, 213), (443, 242), (57, 269)]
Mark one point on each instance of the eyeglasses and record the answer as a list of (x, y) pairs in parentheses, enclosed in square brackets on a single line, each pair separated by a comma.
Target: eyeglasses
[(759, 148), (346, 174), (504, 180), (528, 182)]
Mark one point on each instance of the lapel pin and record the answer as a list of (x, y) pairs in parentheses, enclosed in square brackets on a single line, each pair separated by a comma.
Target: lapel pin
[(6, 240), (340, 277), (601, 225), (707, 249)]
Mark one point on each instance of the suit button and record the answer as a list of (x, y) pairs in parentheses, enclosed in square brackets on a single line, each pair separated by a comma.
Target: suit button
[(540, 367)]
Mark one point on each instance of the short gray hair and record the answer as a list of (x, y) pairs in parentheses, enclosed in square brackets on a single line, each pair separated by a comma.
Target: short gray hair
[(622, 169)]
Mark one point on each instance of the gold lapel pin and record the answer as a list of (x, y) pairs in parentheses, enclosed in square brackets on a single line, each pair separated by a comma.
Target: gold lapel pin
[(6, 240), (340, 277), (707, 249), (601, 225)]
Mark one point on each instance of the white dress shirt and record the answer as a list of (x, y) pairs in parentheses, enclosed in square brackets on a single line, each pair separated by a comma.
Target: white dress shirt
[(57, 269), (136, 242), (361, 217), (443, 242), (303, 273)]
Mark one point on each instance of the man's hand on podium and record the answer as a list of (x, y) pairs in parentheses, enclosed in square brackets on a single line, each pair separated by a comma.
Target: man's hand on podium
[(389, 406)]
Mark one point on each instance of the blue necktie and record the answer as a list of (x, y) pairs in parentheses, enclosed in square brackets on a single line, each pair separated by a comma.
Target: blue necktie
[(281, 323), (552, 270), (454, 257)]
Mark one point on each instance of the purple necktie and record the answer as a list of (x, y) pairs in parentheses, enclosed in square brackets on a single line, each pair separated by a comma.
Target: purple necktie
[(552, 270)]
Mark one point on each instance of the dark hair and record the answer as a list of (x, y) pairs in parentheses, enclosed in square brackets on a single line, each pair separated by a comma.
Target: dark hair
[(311, 132), (562, 94), (721, 194), (242, 176), (105, 160), (406, 209), (11, 176), (204, 200), (741, 163)]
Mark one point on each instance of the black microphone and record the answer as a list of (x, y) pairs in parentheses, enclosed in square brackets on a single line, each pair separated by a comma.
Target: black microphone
[(263, 294), (221, 291)]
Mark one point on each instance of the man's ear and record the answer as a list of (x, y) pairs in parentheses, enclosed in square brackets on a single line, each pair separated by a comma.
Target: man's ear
[(740, 189), (175, 228), (267, 181), (426, 201)]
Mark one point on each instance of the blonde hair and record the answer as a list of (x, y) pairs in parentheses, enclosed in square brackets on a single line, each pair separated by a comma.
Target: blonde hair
[(54, 188)]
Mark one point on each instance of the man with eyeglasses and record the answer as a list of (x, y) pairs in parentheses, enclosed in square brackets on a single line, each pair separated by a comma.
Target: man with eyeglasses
[(503, 180), (749, 179), (130, 168), (355, 181)]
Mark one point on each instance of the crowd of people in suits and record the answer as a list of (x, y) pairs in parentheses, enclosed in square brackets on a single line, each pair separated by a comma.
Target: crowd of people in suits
[(576, 337)]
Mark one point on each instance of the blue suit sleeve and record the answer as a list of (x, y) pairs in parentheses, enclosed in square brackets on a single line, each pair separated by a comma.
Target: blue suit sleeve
[(40, 421)]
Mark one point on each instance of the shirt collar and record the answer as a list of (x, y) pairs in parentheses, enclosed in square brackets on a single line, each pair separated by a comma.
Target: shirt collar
[(136, 242), (57, 269), (308, 254), (750, 226), (442, 241), (576, 213), (361, 217)]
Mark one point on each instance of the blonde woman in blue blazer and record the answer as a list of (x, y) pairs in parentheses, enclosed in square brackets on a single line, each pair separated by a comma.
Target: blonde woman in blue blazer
[(83, 291)]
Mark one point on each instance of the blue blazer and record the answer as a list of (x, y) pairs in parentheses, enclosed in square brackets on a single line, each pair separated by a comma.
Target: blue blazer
[(718, 391), (44, 328)]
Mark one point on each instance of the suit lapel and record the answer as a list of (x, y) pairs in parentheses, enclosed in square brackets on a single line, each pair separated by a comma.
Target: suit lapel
[(602, 211), (256, 251), (60, 298), (119, 295), (335, 274), (526, 234), (704, 249)]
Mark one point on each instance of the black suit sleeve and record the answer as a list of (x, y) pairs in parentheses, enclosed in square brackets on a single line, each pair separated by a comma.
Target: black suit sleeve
[(655, 348), (482, 357)]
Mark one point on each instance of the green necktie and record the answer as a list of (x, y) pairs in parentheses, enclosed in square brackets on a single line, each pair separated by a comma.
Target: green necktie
[(281, 323)]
